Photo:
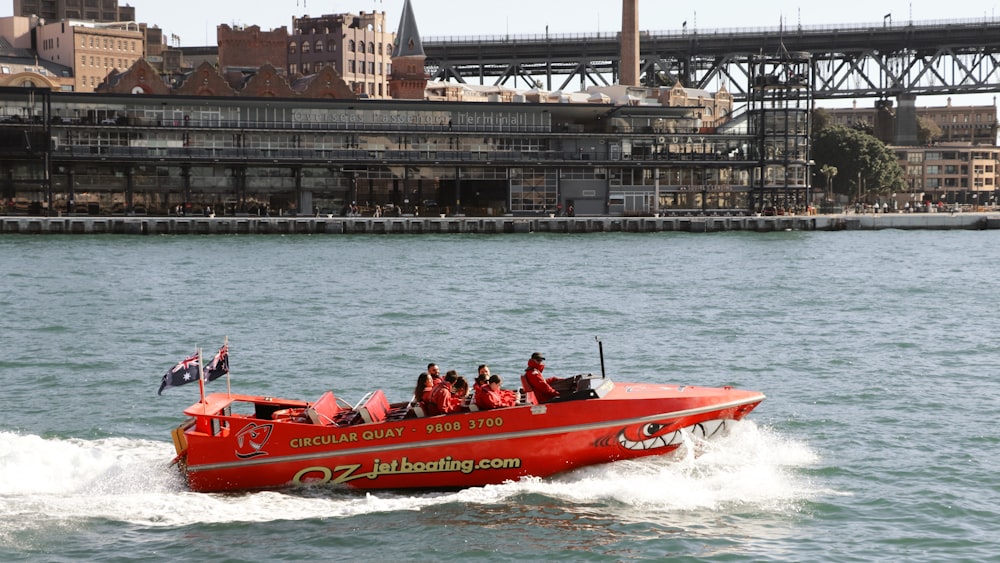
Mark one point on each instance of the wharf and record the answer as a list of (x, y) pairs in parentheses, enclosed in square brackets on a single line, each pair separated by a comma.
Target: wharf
[(147, 225)]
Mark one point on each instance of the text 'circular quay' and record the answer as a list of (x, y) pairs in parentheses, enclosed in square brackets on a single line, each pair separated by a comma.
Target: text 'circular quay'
[(339, 125)]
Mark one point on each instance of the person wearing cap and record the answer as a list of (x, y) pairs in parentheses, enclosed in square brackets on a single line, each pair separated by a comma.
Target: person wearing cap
[(491, 396), (541, 386)]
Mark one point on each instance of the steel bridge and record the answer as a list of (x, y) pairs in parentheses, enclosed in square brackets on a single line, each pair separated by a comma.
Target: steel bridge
[(876, 60)]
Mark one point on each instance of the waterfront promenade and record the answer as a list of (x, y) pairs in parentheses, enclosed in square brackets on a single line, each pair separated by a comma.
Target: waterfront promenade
[(197, 225)]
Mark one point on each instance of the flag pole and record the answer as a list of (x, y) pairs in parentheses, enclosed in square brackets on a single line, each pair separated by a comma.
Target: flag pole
[(201, 379), (229, 387)]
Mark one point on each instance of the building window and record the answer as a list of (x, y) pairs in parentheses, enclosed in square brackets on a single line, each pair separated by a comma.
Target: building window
[(350, 45), (371, 48), (292, 48), (319, 46), (305, 47), (352, 66)]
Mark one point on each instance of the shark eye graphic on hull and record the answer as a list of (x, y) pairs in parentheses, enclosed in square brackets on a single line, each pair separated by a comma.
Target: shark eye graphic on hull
[(648, 437), (654, 435)]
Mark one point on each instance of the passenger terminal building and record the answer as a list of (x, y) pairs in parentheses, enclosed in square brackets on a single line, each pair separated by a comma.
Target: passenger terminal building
[(151, 153), (267, 143)]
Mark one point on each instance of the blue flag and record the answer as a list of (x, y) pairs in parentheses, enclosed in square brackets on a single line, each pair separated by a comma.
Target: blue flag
[(184, 372)]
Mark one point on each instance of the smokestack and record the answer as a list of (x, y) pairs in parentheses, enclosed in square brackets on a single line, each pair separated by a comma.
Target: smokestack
[(630, 43)]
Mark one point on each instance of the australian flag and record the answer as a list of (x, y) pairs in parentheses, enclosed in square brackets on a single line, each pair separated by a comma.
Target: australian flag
[(184, 372), (219, 365)]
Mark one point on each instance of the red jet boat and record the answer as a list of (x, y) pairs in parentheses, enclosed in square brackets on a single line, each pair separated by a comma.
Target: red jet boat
[(242, 442)]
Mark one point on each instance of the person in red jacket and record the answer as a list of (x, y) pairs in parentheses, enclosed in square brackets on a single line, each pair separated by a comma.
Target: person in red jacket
[(422, 391), (482, 378), (491, 396), (541, 386), (442, 400)]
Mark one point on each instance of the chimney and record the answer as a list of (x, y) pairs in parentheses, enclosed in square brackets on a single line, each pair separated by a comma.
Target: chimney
[(629, 72)]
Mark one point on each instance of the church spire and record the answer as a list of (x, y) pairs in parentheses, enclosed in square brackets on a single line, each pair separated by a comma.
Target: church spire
[(408, 80), (408, 42)]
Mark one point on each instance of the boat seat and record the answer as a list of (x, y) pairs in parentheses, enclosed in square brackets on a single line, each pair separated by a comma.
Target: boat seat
[(418, 409), (469, 403), (373, 407), (323, 411), (529, 392)]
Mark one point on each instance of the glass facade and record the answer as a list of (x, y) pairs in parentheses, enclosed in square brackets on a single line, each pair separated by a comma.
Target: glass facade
[(106, 154)]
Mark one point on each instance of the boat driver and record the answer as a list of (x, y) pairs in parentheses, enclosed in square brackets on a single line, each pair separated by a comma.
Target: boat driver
[(541, 386)]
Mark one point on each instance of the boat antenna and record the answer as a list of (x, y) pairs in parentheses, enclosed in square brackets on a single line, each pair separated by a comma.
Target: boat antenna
[(600, 348)]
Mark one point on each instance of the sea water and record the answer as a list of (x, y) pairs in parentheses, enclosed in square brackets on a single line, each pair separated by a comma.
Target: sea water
[(877, 350)]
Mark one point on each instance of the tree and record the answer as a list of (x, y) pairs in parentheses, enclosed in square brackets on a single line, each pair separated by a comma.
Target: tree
[(927, 131), (858, 157), (829, 172), (820, 121)]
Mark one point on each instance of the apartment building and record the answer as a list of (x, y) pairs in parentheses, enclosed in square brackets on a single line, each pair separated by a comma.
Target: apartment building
[(92, 49), (951, 172)]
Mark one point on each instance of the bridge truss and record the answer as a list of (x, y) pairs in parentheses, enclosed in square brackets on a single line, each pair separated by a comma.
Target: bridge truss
[(848, 61)]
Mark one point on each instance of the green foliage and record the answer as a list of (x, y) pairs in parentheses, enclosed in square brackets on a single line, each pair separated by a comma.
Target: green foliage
[(829, 173), (927, 131), (852, 152), (820, 120)]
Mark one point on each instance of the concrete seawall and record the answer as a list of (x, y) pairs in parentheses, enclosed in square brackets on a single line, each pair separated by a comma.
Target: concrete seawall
[(141, 225)]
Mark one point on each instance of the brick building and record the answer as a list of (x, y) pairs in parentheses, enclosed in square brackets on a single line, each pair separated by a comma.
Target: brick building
[(248, 48), (356, 45), (408, 79), (268, 81), (95, 10), (966, 124)]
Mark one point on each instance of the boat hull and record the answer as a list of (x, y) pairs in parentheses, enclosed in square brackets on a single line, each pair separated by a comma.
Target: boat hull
[(222, 451)]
